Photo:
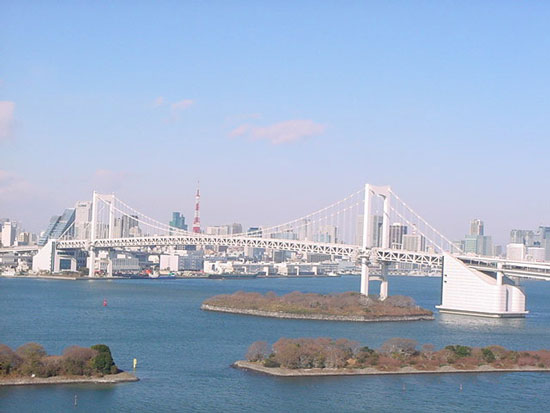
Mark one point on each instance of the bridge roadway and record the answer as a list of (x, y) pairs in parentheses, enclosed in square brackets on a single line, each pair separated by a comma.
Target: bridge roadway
[(521, 269), (215, 240)]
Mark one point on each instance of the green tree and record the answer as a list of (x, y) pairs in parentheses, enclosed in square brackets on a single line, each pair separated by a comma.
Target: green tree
[(103, 362), (488, 355)]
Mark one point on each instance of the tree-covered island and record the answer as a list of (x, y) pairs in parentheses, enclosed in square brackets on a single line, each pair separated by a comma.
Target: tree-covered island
[(325, 356), (348, 306), (30, 364)]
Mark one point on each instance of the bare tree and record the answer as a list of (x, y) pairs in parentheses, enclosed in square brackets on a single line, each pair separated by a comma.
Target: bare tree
[(399, 345), (259, 350)]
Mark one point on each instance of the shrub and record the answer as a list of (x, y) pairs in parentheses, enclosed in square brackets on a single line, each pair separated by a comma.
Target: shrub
[(270, 362), (460, 351), (488, 355)]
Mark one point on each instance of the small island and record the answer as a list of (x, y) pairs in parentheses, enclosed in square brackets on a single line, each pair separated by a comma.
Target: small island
[(348, 306), (30, 364), (328, 357)]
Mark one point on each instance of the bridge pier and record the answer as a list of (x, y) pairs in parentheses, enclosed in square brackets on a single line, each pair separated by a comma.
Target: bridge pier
[(364, 277), (384, 281), (468, 291), (91, 263)]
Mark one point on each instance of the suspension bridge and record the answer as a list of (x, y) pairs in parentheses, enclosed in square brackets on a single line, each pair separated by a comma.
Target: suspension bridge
[(372, 226)]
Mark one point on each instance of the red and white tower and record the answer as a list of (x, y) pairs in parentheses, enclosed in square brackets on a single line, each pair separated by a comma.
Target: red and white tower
[(197, 219)]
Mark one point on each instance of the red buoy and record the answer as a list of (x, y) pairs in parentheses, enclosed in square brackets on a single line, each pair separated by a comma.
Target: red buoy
[(104, 302)]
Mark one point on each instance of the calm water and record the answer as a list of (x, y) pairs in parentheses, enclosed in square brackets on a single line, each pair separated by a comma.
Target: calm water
[(184, 354)]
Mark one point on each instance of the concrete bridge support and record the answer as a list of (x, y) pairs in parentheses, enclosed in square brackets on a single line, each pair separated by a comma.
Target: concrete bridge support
[(472, 292), (364, 277), (384, 281)]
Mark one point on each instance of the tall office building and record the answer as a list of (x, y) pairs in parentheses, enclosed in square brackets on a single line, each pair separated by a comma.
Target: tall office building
[(9, 230), (327, 233), (397, 231), (522, 236), (178, 221), (476, 227), (59, 225), (82, 219), (414, 242)]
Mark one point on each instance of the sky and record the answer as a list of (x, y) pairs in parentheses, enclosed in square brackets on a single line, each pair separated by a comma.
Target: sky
[(277, 107)]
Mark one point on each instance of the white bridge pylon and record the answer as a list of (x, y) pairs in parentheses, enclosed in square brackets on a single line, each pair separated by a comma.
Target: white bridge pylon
[(372, 225)]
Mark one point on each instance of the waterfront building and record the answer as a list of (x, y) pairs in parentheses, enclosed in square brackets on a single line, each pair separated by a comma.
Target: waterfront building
[(537, 254), (515, 251), (58, 226), (9, 230)]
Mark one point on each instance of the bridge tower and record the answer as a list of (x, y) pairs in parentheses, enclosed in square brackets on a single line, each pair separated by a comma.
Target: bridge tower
[(371, 193)]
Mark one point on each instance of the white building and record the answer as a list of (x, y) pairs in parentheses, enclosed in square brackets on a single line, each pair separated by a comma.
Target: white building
[(82, 219), (537, 254), (515, 252), (9, 230)]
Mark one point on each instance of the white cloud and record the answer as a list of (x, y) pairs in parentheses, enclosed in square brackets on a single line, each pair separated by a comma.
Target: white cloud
[(282, 132), (181, 105), (7, 109), (158, 102)]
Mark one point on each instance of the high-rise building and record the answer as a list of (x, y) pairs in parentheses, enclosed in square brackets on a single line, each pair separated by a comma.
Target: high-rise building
[(359, 230), (397, 231), (59, 225), (178, 221), (376, 222), (478, 244), (236, 228), (82, 219), (476, 227), (522, 236), (327, 233), (9, 230), (414, 242)]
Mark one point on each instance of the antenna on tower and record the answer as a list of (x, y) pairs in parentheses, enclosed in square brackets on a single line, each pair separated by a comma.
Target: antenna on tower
[(197, 218)]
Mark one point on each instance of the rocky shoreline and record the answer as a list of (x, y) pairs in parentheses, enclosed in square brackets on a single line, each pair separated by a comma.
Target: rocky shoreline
[(322, 317), (284, 372), (121, 377)]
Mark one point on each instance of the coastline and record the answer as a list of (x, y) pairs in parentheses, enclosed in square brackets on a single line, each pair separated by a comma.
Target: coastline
[(284, 372), (319, 317), (122, 377)]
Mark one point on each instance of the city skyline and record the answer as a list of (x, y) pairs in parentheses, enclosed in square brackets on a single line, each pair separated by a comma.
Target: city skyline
[(269, 107)]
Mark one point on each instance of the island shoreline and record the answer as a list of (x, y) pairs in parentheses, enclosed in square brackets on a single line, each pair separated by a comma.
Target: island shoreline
[(122, 377), (317, 317), (317, 372)]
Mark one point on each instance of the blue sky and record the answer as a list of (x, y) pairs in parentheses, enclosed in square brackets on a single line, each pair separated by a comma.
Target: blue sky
[(277, 107)]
